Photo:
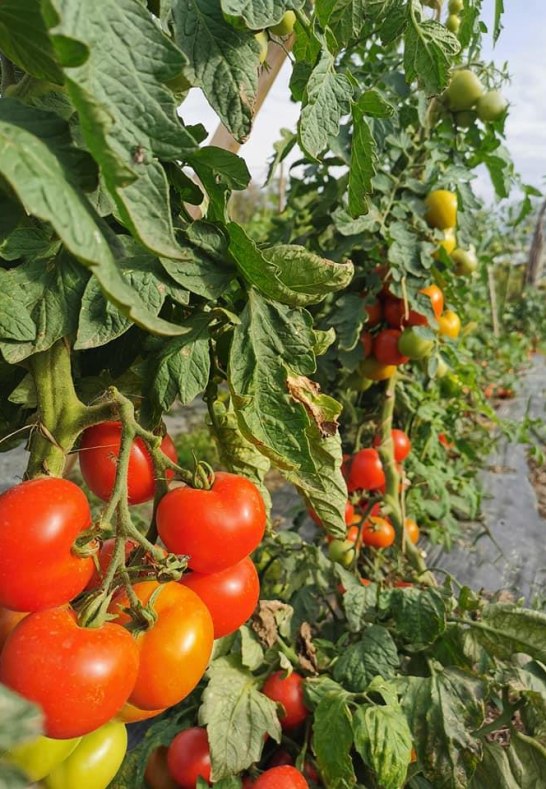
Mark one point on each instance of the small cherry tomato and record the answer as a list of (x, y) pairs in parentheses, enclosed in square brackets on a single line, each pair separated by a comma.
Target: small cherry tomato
[(98, 455), (449, 324), (414, 345), (378, 533), (285, 777), (448, 243), (465, 262), (287, 691), (157, 775), (375, 371), (436, 299), (39, 521), (342, 552), (441, 204), (286, 26), (374, 312), (367, 343), (401, 443), (412, 530), (104, 558), (385, 347), (180, 641), (462, 93), (216, 528), (491, 106), (188, 757), (230, 595), (262, 40), (366, 471)]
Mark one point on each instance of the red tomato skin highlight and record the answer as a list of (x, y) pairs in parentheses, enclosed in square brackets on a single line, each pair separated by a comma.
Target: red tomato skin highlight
[(98, 455), (80, 677), (216, 528), (188, 757), (230, 595), (39, 522), (287, 691)]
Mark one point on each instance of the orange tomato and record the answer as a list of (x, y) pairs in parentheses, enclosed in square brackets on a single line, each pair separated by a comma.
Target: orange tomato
[(378, 532), (436, 299), (412, 530), (131, 714), (175, 650)]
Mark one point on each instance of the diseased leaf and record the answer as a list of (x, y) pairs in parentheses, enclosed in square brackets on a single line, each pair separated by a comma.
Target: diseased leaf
[(326, 99), (419, 615), (333, 740), (223, 61), (383, 740), (428, 51), (505, 629), (375, 654), (237, 717)]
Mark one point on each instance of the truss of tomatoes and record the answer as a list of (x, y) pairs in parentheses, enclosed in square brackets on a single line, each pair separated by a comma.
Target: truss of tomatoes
[(82, 677)]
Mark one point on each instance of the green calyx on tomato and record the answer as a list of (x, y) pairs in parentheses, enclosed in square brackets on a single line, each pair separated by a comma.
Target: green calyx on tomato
[(94, 762), (415, 345), (463, 91), (491, 106), (286, 26)]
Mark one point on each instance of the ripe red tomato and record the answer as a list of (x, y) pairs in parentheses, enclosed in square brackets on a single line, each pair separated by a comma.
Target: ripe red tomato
[(230, 595), (402, 444), (350, 515), (287, 691), (367, 343), (395, 314), (412, 530), (79, 676), (39, 521), (188, 757), (385, 347), (180, 643), (378, 533), (98, 455), (216, 528), (8, 621), (374, 312), (285, 777), (366, 471)]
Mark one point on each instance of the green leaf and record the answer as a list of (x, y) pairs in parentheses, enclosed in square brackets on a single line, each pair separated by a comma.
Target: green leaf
[(333, 740), (223, 61), (252, 654), (237, 716), (519, 766), (37, 176), (259, 14), (316, 688), (505, 629), (383, 740), (419, 615), (101, 322), (326, 99), (344, 17), (348, 320), (363, 163), (19, 719), (182, 367), (236, 453), (108, 38), (30, 241), (287, 273), (442, 711), (24, 39), (375, 654), (282, 148), (220, 172), (428, 52), (372, 102), (360, 605), (202, 267), (497, 26), (281, 411)]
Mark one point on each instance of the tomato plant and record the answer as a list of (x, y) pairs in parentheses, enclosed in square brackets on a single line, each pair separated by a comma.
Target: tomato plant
[(80, 676), (288, 692), (39, 522), (217, 527)]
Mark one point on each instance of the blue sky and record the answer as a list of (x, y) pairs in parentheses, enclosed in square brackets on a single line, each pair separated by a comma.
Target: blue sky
[(522, 44)]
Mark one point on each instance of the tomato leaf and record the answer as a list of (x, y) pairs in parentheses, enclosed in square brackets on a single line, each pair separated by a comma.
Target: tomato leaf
[(24, 39), (375, 654), (363, 163), (326, 99), (223, 62), (442, 711), (429, 48), (345, 18), (383, 740), (333, 740), (125, 141), (259, 14), (419, 615), (237, 716), (505, 629), (519, 766), (19, 719)]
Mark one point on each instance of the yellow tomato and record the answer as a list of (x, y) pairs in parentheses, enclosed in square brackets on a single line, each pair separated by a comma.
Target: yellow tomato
[(448, 243), (39, 757), (441, 209), (95, 760), (449, 324), (375, 371)]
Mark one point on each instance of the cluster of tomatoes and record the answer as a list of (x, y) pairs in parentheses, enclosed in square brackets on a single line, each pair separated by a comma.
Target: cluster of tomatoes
[(86, 677), (188, 758), (366, 480)]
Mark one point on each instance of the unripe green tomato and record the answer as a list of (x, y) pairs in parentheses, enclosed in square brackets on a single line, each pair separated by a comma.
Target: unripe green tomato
[(442, 369), (286, 25), (465, 119), (453, 23), (342, 552), (414, 345), (94, 762), (263, 41), (465, 262), (491, 106), (39, 757), (464, 90), (455, 6)]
